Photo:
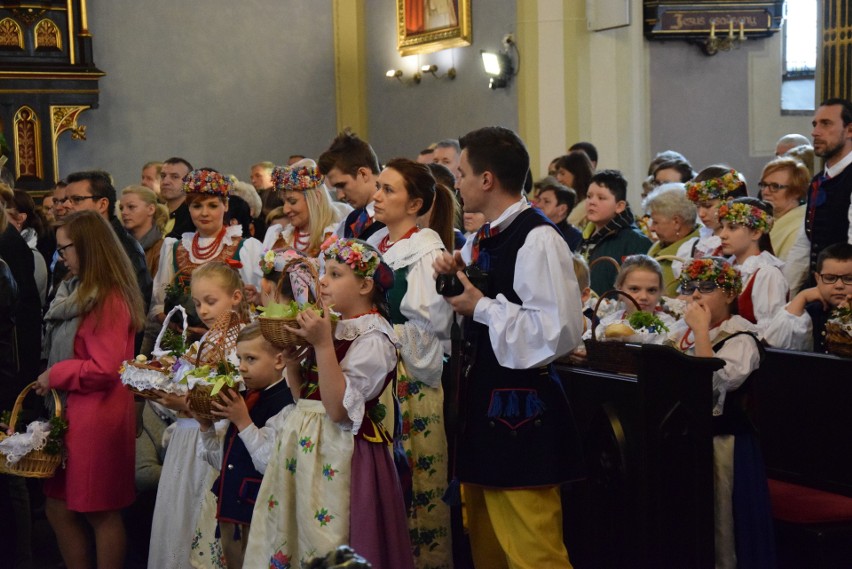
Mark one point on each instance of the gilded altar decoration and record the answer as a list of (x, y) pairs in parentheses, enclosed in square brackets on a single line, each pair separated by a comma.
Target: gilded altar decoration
[(424, 26), (47, 36), (28, 160), (11, 35)]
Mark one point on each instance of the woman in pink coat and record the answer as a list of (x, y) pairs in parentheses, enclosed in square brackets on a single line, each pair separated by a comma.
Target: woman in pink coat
[(90, 331)]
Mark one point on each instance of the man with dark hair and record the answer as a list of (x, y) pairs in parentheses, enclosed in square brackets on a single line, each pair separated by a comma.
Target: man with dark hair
[(828, 218), (590, 151), (351, 168), (171, 191), (93, 190), (517, 441), (556, 201)]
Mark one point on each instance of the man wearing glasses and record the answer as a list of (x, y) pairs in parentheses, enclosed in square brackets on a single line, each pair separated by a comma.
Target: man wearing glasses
[(94, 190)]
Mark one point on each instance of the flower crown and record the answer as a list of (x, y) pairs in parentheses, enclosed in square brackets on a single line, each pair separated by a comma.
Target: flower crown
[(297, 178), (207, 182), (714, 188), (274, 260), (747, 215), (715, 270), (361, 258)]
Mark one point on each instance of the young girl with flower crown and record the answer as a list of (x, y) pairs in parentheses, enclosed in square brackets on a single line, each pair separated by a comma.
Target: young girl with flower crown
[(709, 329), (330, 479), (184, 514), (746, 223), (712, 186)]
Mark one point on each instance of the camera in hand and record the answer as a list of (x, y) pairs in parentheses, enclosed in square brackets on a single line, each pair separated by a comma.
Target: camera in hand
[(450, 285)]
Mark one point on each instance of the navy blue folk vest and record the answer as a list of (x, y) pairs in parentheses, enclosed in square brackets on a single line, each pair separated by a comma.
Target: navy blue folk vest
[(517, 429), (827, 220), (239, 481)]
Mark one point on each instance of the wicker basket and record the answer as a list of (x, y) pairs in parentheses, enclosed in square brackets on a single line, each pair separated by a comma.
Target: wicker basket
[(616, 357), (36, 463), (275, 329), (837, 340)]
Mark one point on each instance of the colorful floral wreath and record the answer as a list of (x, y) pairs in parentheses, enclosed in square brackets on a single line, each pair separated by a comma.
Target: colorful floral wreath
[(715, 188), (361, 258), (715, 270), (746, 215), (207, 182), (297, 178)]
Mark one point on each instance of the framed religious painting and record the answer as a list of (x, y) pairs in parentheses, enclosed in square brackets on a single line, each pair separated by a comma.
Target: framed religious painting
[(424, 26)]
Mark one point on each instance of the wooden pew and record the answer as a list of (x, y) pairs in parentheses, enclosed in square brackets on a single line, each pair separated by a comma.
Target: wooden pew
[(648, 498), (803, 407)]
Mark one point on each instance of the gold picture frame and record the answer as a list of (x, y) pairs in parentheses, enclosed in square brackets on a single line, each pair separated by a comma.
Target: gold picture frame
[(425, 26)]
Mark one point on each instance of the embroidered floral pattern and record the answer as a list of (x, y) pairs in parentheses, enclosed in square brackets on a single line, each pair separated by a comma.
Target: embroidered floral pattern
[(328, 472), (323, 517), (307, 444)]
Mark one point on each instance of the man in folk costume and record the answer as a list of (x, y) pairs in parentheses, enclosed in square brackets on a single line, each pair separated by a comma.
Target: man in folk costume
[(517, 440)]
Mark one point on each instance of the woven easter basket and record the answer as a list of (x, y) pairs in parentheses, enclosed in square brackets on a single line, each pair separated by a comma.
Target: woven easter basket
[(36, 463), (156, 373), (221, 339), (616, 357), (275, 329), (837, 340)]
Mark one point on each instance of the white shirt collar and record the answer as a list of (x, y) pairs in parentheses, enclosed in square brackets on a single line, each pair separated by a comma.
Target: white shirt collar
[(836, 170)]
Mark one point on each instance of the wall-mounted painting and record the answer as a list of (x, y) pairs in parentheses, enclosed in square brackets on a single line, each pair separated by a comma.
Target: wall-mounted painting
[(424, 26)]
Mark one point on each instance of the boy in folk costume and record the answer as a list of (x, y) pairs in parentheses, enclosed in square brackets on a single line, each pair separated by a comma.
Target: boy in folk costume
[(517, 441)]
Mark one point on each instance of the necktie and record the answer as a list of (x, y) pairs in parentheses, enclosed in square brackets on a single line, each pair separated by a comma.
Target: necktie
[(485, 232)]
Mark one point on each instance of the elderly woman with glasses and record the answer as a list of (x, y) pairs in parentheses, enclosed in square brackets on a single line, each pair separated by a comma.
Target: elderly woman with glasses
[(783, 185)]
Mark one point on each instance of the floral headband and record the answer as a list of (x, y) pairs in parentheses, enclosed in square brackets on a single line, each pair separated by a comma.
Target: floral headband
[(715, 270), (715, 188), (207, 182), (747, 215), (301, 176), (361, 258)]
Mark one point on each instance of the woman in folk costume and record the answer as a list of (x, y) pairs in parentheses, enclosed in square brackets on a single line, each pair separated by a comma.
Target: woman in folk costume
[(330, 479), (421, 320), (307, 206), (207, 197)]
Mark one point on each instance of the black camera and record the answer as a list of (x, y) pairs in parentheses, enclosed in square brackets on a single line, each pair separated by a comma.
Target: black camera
[(450, 285)]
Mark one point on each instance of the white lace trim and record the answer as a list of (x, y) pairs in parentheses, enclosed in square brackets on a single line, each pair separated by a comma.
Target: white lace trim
[(408, 251), (19, 445), (149, 379), (352, 328), (232, 233)]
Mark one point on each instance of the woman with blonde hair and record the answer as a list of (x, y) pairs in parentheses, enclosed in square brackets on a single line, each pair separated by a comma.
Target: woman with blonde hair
[(783, 185), (311, 214), (144, 218), (91, 326)]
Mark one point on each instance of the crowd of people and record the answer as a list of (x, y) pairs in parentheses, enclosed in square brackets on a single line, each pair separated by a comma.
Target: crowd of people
[(455, 260)]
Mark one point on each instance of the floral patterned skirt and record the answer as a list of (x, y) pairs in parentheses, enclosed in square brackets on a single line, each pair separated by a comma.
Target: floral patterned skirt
[(302, 508)]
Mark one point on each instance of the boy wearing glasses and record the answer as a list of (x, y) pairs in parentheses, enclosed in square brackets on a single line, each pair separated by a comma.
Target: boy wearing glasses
[(801, 324)]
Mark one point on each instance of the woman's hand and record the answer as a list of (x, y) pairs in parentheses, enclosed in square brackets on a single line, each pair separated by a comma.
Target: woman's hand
[(43, 382), (314, 328), (233, 408)]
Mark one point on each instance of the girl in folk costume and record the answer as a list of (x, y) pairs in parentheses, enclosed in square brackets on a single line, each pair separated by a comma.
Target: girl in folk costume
[(421, 320), (746, 223), (744, 532), (330, 479), (184, 526), (712, 186), (207, 196), (307, 206), (91, 325)]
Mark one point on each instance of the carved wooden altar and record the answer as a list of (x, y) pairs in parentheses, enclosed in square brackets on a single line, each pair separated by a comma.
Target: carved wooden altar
[(47, 79)]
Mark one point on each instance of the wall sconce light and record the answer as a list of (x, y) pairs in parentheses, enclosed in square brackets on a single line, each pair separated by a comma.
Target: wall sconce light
[(723, 42), (499, 64), (398, 75), (433, 71)]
